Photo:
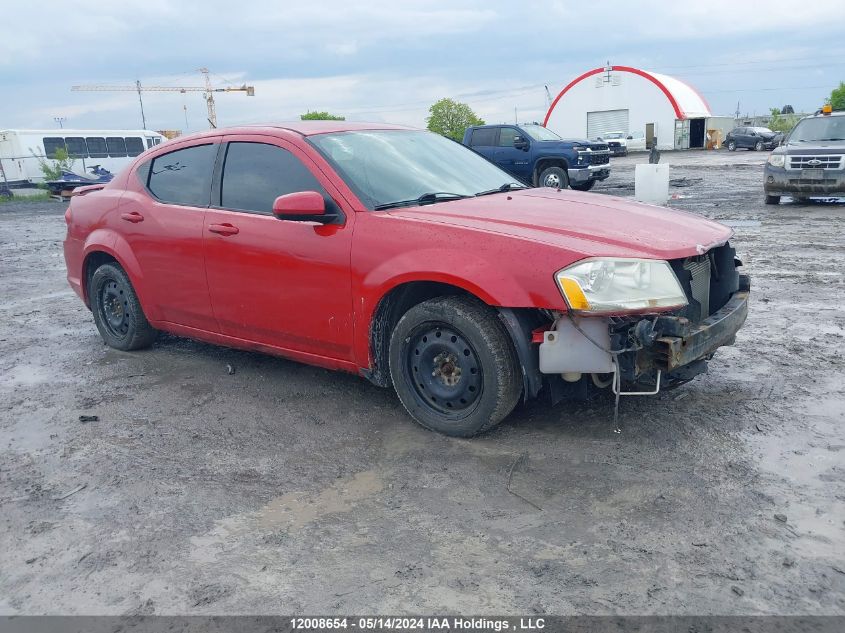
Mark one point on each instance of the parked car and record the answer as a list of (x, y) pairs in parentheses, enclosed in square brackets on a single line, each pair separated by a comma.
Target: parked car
[(399, 255), (811, 160), (756, 138), (617, 143), (539, 157)]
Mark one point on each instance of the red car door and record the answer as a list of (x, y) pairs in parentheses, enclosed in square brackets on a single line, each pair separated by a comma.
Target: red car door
[(162, 218), (277, 282)]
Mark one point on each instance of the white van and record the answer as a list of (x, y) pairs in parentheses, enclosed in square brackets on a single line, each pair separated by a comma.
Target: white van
[(20, 150)]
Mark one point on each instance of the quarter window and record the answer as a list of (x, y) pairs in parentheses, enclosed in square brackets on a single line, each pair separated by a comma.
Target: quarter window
[(116, 145), (51, 144), (97, 147), (134, 145), (255, 174), (184, 176)]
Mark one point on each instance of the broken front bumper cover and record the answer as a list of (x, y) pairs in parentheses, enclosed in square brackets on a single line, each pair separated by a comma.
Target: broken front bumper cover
[(672, 345), (681, 342)]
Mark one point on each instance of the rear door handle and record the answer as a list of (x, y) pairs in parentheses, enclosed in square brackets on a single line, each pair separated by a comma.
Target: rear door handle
[(223, 229), (132, 216)]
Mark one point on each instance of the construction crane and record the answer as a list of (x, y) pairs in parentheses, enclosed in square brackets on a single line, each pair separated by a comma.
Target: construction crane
[(208, 89)]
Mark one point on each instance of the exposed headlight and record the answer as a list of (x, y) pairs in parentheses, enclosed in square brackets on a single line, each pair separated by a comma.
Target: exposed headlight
[(620, 285), (776, 160)]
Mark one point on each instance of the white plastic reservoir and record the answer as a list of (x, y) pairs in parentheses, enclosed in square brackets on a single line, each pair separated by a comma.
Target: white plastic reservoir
[(651, 183)]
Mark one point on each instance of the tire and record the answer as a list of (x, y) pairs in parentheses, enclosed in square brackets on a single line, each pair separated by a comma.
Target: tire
[(117, 311), (758, 147), (731, 146), (584, 186), (555, 177), (772, 199), (454, 367)]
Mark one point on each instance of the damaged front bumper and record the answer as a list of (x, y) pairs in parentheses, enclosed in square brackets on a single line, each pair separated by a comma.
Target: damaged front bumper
[(645, 353)]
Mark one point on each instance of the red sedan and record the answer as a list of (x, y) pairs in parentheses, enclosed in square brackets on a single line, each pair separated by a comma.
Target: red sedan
[(407, 258)]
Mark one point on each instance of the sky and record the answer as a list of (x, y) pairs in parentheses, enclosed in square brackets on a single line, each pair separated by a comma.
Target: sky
[(374, 60)]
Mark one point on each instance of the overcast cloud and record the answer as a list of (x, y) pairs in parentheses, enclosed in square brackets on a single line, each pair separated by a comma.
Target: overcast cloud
[(378, 60)]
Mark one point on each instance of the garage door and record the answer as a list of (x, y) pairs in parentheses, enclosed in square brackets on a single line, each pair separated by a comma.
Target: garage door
[(600, 123)]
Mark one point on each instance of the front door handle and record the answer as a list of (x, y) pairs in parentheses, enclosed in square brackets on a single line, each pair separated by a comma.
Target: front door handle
[(132, 216), (223, 229)]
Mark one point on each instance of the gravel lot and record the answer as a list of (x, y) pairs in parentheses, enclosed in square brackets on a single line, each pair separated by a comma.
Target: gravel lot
[(283, 488)]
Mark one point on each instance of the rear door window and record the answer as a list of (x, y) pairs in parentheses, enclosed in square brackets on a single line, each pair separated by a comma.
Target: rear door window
[(183, 177), (255, 174), (483, 137)]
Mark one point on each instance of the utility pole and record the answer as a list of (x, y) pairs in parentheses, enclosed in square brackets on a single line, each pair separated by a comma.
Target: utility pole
[(141, 101), (548, 97), (60, 120), (515, 117)]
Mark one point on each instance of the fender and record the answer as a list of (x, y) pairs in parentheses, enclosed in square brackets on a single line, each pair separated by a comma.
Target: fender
[(110, 242), (492, 284)]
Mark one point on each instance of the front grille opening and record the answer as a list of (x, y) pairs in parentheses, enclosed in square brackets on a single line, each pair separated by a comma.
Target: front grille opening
[(708, 281)]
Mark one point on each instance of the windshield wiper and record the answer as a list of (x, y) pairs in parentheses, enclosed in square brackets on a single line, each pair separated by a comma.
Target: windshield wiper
[(508, 186), (426, 198)]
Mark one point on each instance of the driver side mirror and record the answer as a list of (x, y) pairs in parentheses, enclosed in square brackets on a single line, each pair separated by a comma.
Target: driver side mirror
[(629, 138), (520, 143), (304, 206)]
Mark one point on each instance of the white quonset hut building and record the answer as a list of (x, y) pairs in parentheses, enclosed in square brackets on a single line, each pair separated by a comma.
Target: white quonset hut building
[(642, 104)]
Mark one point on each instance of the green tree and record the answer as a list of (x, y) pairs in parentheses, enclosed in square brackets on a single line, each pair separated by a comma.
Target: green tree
[(451, 118), (782, 122), (837, 97), (52, 170), (321, 116)]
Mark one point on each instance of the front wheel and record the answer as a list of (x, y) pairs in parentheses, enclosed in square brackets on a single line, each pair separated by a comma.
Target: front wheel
[(584, 186), (555, 177), (772, 199), (453, 366), (117, 311), (758, 147), (731, 146)]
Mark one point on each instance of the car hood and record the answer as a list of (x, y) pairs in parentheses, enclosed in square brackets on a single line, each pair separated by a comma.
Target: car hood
[(588, 224)]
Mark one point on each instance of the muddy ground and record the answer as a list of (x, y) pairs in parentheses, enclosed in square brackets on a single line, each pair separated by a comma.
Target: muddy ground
[(283, 488)]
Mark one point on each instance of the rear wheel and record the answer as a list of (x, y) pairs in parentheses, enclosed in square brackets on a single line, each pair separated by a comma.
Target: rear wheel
[(117, 311), (772, 199), (584, 186), (731, 146), (453, 366), (555, 177)]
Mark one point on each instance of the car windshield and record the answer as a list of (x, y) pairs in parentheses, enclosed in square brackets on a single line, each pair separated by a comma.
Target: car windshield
[(828, 128), (762, 130), (540, 133), (408, 167)]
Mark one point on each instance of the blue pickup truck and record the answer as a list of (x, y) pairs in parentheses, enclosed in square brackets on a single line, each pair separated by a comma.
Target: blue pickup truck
[(539, 157)]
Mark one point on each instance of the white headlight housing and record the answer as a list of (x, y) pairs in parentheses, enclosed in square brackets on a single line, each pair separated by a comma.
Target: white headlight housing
[(776, 160), (604, 285)]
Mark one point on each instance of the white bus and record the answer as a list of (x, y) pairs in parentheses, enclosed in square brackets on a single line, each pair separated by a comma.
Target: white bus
[(20, 150)]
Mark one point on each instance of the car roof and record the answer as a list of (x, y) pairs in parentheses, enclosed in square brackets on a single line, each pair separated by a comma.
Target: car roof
[(308, 128)]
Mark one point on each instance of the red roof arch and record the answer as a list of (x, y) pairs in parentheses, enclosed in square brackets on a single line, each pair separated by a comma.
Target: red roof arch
[(625, 69)]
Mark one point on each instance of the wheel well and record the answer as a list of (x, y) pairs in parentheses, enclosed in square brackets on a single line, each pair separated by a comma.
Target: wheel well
[(545, 163), (92, 262), (390, 309)]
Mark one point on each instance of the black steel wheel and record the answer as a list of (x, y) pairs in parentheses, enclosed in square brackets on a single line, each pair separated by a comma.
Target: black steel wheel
[(443, 369), (453, 366), (117, 311)]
